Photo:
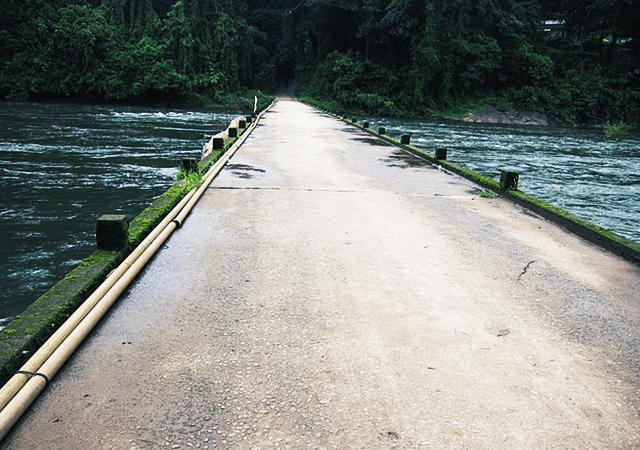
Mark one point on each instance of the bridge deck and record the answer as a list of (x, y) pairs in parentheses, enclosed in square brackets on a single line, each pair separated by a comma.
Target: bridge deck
[(329, 291)]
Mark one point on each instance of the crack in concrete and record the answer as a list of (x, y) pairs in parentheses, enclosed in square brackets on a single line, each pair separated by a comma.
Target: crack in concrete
[(525, 269)]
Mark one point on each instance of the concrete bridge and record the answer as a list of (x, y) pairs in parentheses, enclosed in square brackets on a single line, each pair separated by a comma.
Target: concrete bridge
[(330, 291)]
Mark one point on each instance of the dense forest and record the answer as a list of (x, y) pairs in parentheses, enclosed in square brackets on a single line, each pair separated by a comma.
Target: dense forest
[(576, 59)]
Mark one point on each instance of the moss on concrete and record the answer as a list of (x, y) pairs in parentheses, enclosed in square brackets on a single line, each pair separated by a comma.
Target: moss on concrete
[(151, 216), (112, 232), (598, 235), (29, 330), (209, 161)]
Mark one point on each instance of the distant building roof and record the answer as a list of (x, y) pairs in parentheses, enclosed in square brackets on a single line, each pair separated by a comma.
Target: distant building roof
[(553, 25)]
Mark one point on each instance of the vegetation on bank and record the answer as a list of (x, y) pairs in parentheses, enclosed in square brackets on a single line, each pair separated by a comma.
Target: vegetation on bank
[(579, 61), (616, 130), (127, 51)]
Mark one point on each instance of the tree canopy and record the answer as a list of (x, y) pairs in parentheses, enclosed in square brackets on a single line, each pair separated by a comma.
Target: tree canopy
[(577, 59)]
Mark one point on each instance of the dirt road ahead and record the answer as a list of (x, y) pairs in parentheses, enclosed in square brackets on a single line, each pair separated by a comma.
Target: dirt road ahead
[(330, 292)]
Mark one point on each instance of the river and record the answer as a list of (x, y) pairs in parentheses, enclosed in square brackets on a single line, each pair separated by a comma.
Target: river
[(577, 169), (64, 165)]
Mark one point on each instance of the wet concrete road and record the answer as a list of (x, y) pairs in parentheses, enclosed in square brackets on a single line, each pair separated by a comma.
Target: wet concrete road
[(330, 292)]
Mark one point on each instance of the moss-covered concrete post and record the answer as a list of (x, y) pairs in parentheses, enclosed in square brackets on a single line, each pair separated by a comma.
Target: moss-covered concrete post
[(189, 165), (509, 180), (112, 232), (405, 139), (365, 124), (242, 123), (441, 153), (249, 119), (382, 130), (354, 119), (217, 143), (233, 132)]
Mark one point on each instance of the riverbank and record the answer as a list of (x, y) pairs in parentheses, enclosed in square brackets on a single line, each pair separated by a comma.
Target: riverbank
[(513, 116), (475, 112)]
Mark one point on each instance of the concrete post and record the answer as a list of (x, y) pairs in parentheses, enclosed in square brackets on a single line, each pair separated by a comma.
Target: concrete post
[(217, 143), (249, 119), (112, 232), (242, 123), (441, 153), (365, 124), (189, 165), (405, 139), (509, 180), (233, 132), (354, 119), (382, 130)]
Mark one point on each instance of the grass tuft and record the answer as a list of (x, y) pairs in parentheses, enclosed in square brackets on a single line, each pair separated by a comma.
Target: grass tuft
[(616, 130)]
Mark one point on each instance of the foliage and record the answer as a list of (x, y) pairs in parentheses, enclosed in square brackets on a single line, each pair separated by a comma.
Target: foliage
[(616, 130), (326, 105), (355, 84), (120, 50), (189, 181), (380, 56), (425, 57)]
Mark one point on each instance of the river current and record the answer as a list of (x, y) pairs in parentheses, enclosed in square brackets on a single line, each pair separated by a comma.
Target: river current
[(62, 166)]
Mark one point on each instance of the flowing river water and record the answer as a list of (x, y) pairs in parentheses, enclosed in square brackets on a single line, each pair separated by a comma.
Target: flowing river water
[(64, 165)]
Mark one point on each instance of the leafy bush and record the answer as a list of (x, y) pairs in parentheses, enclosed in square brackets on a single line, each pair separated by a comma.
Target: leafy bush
[(616, 130), (477, 61)]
